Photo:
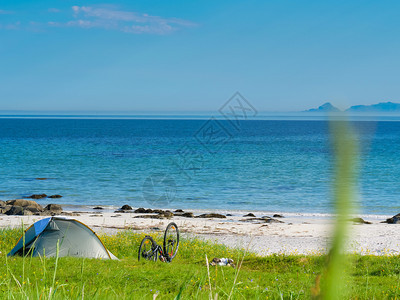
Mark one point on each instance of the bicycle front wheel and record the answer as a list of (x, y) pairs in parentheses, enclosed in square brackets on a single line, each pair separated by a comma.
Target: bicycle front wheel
[(171, 241), (148, 249)]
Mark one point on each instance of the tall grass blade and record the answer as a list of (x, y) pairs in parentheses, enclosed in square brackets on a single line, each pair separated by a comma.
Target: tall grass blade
[(345, 149), (55, 270), (209, 279)]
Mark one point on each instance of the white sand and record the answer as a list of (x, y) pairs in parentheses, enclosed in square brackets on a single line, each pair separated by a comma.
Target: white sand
[(299, 234)]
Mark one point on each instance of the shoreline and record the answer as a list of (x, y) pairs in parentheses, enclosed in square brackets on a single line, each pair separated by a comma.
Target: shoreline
[(235, 212), (292, 234)]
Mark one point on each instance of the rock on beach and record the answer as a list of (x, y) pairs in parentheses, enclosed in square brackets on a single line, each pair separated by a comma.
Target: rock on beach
[(393, 220), (23, 207)]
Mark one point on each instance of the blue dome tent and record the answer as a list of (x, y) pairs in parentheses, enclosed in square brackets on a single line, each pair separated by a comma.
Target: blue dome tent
[(73, 238)]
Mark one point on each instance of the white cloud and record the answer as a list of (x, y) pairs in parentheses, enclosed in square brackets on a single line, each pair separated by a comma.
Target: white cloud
[(107, 18), (125, 21), (84, 24)]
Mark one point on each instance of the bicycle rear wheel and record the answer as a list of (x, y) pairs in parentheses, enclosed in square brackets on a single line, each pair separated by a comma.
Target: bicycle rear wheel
[(148, 249), (171, 241)]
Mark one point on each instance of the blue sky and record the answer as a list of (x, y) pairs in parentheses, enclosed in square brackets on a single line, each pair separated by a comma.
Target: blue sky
[(193, 55)]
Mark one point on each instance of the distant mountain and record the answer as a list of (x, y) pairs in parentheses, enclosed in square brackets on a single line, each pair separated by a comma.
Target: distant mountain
[(383, 107), (380, 107), (327, 107)]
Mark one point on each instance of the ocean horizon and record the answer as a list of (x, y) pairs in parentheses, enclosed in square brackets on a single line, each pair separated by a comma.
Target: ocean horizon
[(202, 115)]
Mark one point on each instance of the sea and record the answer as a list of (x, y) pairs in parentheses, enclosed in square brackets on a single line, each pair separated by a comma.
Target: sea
[(204, 163)]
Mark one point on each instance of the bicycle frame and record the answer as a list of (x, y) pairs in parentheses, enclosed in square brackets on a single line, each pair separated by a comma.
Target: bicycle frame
[(160, 253)]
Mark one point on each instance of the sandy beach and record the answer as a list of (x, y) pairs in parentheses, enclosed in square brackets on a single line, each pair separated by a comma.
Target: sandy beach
[(297, 234)]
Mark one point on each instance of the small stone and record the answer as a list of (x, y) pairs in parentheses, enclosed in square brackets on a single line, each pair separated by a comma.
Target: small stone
[(185, 214), (277, 216), (359, 221), (261, 220), (55, 196), (142, 210), (53, 209), (37, 196), (179, 211), (126, 207), (71, 214), (151, 217), (167, 214), (188, 215), (250, 215), (212, 215), (98, 207), (270, 220)]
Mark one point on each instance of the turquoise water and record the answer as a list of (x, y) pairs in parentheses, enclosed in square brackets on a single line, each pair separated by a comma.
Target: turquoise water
[(257, 165)]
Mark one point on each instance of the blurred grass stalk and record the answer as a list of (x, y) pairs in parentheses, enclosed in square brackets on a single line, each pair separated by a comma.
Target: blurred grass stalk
[(345, 148)]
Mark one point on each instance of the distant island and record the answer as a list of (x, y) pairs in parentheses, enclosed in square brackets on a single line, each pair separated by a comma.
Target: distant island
[(327, 107), (383, 107)]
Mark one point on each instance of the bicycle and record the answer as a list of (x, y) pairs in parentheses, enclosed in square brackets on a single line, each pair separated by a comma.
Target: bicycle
[(150, 250)]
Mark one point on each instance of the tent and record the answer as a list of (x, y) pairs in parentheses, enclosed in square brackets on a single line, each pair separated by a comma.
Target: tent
[(73, 237)]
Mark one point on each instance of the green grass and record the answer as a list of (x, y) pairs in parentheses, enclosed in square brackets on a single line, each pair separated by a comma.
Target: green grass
[(272, 277)]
